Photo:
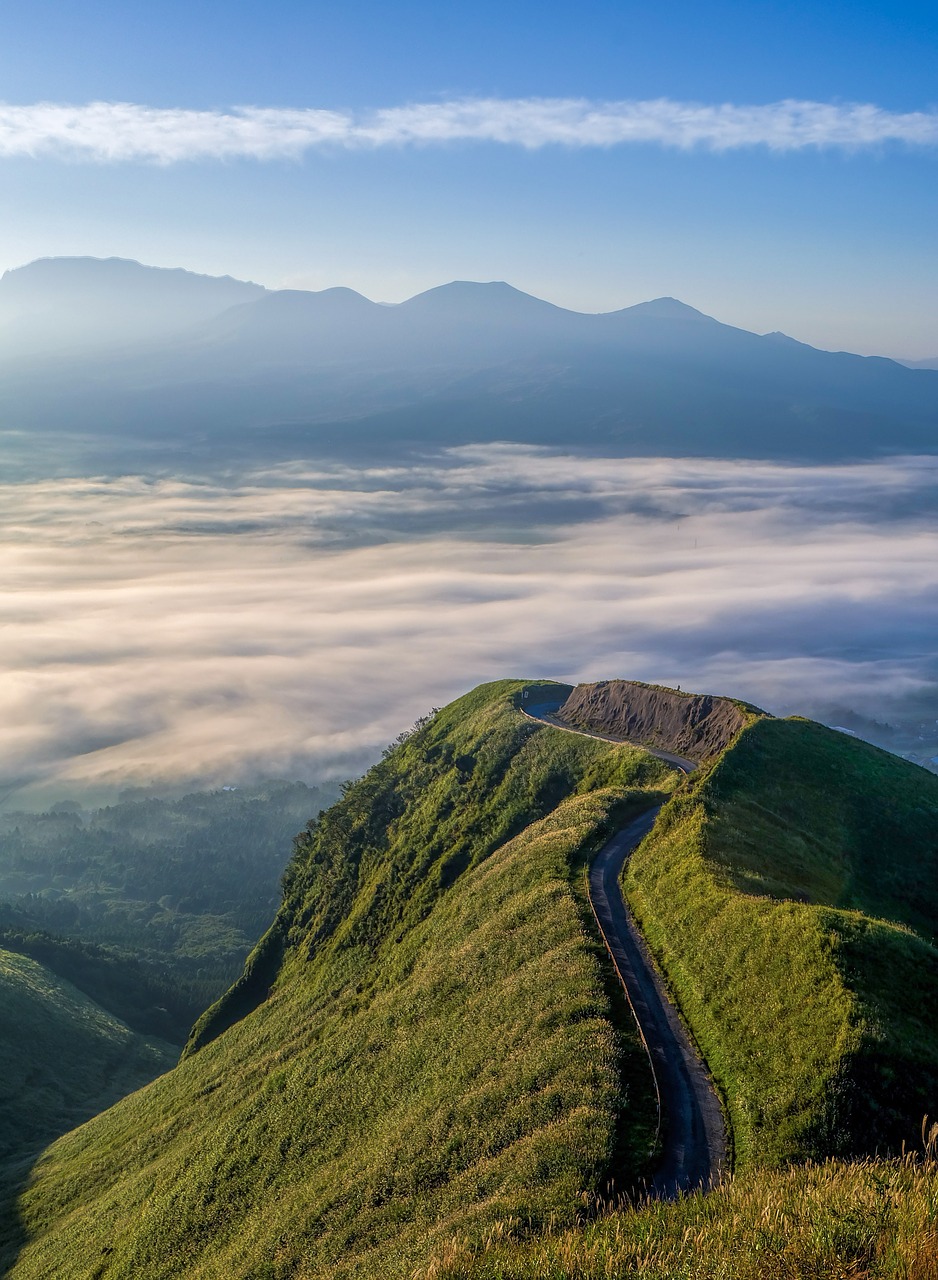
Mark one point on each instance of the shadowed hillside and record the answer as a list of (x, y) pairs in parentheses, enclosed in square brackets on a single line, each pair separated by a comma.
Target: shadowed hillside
[(791, 895), (62, 1056), (150, 906)]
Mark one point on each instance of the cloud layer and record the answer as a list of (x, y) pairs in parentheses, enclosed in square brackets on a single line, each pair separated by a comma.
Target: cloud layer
[(292, 622), (122, 131)]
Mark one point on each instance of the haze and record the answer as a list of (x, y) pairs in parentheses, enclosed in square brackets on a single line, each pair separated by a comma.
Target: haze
[(657, 396), (771, 165), (289, 622)]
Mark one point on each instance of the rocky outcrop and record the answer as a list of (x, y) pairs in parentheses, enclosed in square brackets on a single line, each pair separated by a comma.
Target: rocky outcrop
[(696, 726)]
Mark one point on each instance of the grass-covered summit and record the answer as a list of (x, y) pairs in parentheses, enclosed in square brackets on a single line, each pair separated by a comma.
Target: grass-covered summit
[(426, 1048)]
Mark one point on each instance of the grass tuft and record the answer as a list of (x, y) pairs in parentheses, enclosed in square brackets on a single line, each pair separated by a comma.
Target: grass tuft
[(866, 1220)]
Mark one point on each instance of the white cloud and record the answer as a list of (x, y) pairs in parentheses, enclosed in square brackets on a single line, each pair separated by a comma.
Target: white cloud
[(142, 638), (121, 131)]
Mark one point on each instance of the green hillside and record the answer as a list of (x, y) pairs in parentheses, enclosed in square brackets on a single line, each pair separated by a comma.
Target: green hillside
[(437, 1049), (426, 1069), (62, 1057), (791, 896)]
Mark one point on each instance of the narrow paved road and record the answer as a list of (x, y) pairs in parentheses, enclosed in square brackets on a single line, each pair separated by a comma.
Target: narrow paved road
[(694, 1139)]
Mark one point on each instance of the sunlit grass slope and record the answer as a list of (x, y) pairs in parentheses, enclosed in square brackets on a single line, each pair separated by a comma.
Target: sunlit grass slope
[(791, 894), (867, 1220), (62, 1057), (422, 1044)]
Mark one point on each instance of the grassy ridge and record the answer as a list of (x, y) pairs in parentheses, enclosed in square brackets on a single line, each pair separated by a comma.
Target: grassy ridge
[(62, 1057), (429, 1047), (763, 891), (418, 1072)]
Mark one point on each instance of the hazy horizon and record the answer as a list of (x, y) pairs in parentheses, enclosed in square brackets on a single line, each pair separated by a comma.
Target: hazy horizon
[(388, 302), (920, 348), (774, 167)]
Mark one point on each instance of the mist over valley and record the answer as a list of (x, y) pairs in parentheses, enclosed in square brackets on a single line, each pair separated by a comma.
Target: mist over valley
[(468, 665), (110, 364), (197, 595), (200, 591)]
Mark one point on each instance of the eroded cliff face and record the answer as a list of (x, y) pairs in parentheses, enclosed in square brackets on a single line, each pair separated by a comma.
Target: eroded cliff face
[(696, 726)]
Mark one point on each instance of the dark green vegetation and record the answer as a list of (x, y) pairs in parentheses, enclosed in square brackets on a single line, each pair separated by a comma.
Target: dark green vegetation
[(436, 1050), (419, 1071), (150, 906), (62, 1057), (791, 894), (140, 994)]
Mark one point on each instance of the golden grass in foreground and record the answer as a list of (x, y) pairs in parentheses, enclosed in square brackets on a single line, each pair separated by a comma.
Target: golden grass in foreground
[(866, 1220)]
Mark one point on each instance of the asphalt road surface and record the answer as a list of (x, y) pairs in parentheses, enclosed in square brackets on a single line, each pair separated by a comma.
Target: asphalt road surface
[(694, 1146), (693, 1134)]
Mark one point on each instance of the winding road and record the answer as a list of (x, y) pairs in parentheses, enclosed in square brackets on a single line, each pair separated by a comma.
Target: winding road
[(690, 1117)]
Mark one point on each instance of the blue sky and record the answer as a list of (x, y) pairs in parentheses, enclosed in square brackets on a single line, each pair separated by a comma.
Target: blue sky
[(835, 244)]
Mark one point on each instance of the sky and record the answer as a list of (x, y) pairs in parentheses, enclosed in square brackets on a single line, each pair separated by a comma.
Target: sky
[(291, 621), (773, 164)]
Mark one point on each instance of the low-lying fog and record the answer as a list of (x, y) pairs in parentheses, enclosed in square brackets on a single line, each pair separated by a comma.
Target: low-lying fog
[(290, 622)]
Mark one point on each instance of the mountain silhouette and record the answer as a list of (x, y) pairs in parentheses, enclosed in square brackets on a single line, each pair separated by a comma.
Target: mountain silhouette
[(166, 354)]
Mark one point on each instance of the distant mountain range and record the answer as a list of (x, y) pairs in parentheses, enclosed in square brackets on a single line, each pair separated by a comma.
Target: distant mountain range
[(170, 357), (77, 303)]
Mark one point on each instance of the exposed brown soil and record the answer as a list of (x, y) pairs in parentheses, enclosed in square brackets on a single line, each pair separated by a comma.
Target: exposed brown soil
[(697, 726)]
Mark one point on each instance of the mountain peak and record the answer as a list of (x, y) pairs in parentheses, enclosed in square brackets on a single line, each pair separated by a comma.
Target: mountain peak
[(475, 298), (667, 309), (63, 302), (783, 339)]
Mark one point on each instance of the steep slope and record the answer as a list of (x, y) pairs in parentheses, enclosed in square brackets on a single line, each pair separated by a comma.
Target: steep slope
[(694, 725), (62, 1057), (791, 897), (422, 1042), (424, 1046)]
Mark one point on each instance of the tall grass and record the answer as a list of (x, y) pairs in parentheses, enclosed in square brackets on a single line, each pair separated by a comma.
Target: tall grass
[(420, 1072), (866, 1220)]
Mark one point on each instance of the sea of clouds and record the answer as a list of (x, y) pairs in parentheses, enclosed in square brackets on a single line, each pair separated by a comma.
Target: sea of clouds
[(289, 622)]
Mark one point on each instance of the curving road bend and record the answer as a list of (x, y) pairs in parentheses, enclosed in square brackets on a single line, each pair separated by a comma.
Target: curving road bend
[(694, 1146)]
